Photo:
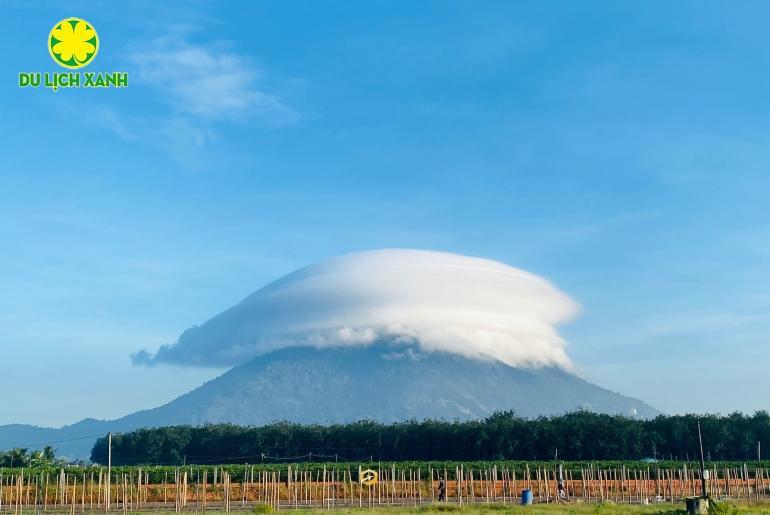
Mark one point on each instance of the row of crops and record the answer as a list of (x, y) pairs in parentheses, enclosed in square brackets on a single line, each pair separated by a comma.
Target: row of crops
[(166, 473)]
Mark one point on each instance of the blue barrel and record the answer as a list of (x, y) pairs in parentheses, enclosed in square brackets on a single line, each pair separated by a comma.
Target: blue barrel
[(526, 497)]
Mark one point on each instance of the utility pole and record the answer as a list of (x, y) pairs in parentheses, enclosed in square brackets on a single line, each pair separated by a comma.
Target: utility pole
[(759, 450), (702, 465), (109, 470)]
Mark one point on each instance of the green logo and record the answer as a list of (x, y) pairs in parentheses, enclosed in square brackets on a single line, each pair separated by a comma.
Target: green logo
[(73, 43)]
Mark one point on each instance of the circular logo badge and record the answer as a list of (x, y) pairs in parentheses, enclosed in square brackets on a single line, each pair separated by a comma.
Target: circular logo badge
[(73, 43)]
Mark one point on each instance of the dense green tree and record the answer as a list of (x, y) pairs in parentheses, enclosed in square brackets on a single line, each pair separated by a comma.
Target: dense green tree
[(575, 436)]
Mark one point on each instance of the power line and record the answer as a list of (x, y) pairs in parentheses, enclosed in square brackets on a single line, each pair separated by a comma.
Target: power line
[(37, 444)]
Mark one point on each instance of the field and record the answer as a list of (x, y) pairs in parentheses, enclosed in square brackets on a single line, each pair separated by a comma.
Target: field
[(566, 487), (726, 508)]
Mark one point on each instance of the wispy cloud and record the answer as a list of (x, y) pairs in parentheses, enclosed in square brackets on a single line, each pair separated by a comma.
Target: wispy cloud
[(698, 322), (208, 81), (108, 118), (204, 89), (183, 139)]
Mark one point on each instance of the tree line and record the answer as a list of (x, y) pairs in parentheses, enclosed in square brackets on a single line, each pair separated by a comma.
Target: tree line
[(19, 457), (580, 435)]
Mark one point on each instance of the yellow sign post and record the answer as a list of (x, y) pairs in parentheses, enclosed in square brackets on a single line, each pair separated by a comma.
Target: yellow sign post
[(369, 477)]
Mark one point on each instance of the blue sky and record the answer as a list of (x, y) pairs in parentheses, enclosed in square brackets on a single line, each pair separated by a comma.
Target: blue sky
[(618, 149)]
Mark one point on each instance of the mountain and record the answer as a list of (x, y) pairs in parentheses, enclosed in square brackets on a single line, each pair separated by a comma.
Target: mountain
[(382, 382)]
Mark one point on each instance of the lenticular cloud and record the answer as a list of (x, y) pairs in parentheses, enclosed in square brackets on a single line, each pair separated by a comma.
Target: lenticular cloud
[(475, 307)]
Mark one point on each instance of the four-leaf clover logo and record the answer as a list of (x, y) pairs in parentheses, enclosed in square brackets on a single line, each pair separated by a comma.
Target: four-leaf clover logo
[(73, 43)]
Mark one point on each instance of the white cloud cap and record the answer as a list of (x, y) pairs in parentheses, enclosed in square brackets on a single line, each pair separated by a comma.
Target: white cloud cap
[(441, 301)]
